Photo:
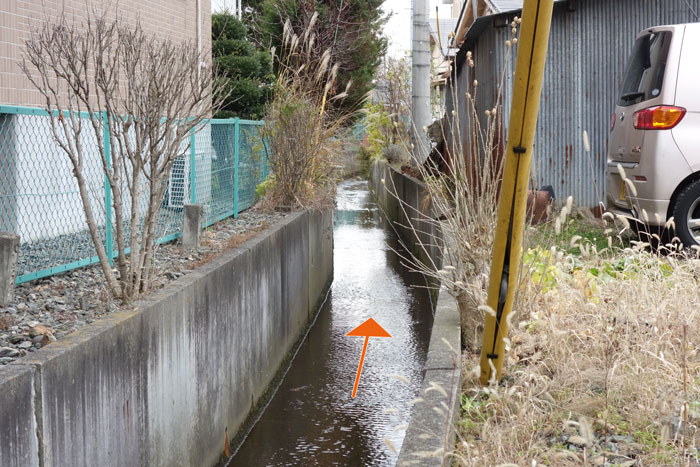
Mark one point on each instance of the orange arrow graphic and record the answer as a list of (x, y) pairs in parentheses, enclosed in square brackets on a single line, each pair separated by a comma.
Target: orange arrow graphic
[(369, 328)]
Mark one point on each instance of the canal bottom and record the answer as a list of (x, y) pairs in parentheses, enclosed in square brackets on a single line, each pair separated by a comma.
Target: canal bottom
[(312, 420)]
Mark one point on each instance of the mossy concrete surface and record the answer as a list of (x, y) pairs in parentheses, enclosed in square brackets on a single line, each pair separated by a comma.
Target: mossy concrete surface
[(166, 383)]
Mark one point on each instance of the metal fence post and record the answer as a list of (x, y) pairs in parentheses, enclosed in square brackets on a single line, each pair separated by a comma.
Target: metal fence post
[(193, 168), (108, 188), (235, 167), (264, 158)]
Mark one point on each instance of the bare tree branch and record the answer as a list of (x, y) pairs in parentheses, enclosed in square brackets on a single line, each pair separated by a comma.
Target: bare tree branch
[(143, 93)]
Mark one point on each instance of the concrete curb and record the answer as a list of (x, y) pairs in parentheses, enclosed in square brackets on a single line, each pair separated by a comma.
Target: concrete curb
[(166, 383), (431, 430)]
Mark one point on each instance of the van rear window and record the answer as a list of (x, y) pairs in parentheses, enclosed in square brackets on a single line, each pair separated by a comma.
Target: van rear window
[(645, 71)]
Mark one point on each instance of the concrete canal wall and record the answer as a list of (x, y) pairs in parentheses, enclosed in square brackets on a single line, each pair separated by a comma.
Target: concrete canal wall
[(163, 385), (409, 216), (430, 434)]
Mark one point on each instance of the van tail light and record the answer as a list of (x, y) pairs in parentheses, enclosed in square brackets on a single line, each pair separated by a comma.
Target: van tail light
[(612, 123), (663, 117)]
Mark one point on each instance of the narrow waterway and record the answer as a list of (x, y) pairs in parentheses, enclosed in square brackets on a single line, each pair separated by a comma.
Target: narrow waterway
[(312, 419)]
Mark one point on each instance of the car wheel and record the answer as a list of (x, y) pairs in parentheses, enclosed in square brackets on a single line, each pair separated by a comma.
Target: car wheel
[(686, 213)]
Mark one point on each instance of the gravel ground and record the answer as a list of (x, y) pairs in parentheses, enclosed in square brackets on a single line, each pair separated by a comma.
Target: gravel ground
[(48, 309)]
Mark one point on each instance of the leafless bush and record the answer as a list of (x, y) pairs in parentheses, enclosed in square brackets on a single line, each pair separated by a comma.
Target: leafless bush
[(297, 152), (141, 96), (387, 113), (394, 93)]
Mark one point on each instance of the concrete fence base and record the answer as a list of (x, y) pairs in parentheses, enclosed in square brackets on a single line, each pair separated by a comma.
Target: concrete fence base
[(164, 384), (9, 255), (191, 226)]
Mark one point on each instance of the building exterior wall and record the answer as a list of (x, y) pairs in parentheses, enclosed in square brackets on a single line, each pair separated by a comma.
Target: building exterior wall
[(587, 55), (176, 19)]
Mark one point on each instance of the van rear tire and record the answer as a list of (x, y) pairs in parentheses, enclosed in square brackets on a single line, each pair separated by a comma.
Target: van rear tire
[(686, 212)]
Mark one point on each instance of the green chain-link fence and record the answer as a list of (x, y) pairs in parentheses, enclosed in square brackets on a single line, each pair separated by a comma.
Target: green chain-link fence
[(40, 201)]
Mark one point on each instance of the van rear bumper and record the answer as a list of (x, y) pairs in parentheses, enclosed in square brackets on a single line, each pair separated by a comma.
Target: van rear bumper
[(655, 210), (646, 205)]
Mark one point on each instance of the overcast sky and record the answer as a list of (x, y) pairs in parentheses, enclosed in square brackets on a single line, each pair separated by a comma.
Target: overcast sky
[(398, 29)]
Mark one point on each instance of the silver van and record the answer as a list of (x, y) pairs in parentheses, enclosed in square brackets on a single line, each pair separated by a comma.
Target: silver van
[(655, 133)]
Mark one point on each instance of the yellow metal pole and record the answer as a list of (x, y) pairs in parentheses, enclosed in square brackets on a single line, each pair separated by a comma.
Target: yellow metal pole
[(507, 245)]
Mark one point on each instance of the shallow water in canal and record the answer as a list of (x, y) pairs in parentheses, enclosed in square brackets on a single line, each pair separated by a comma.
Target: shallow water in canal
[(312, 419)]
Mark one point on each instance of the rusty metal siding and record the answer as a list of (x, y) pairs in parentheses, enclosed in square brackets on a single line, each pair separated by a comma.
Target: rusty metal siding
[(588, 50)]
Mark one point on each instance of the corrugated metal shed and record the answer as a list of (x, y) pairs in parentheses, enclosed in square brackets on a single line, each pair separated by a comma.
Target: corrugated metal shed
[(505, 6), (588, 50)]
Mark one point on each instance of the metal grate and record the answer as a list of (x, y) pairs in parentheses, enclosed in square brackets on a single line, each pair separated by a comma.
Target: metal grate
[(39, 198)]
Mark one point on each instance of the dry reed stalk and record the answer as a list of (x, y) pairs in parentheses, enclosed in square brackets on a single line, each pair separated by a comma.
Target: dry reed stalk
[(608, 348), (299, 130), (595, 336), (462, 182)]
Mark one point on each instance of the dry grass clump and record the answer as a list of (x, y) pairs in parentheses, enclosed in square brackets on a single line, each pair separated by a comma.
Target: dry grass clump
[(602, 366), (601, 363), (299, 130), (462, 178)]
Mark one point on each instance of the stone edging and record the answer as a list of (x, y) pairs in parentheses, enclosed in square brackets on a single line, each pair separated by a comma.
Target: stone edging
[(430, 434)]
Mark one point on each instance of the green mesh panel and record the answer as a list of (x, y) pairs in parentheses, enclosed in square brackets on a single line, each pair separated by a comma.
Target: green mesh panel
[(40, 200), (251, 164)]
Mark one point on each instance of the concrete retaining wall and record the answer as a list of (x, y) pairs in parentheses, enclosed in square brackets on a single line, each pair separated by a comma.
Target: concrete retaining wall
[(430, 434), (164, 384), (410, 217), (18, 434)]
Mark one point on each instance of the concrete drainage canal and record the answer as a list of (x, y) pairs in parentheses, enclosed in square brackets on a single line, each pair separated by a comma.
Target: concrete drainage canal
[(312, 418)]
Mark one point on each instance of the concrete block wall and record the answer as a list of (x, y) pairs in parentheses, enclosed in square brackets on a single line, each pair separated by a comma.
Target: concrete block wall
[(164, 384)]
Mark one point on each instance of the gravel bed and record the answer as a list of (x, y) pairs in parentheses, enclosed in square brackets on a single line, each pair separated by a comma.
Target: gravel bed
[(58, 250), (47, 309)]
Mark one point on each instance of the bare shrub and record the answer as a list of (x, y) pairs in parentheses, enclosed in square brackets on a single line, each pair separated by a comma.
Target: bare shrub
[(140, 96), (298, 154), (387, 113)]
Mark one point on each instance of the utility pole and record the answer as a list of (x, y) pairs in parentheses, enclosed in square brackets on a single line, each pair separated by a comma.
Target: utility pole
[(420, 80), (508, 241)]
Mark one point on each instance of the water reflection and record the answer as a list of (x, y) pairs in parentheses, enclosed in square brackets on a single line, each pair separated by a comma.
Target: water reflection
[(312, 420)]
